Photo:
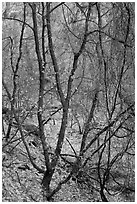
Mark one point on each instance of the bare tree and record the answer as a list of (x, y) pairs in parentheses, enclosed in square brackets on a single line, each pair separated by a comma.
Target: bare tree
[(70, 66)]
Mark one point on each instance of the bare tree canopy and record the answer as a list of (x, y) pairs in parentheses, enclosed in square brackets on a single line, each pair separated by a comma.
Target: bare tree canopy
[(68, 101)]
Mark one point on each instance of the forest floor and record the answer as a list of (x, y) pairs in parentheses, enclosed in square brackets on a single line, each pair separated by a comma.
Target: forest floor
[(22, 183)]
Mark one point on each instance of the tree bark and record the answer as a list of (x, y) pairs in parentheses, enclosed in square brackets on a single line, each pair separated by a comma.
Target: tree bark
[(103, 197)]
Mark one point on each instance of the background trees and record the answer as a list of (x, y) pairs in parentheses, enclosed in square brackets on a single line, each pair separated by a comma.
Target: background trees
[(68, 98)]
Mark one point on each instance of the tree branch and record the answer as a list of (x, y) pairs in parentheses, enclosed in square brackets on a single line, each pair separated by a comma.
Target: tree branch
[(53, 57)]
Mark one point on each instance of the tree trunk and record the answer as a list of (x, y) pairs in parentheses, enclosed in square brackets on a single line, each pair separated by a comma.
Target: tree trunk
[(46, 181), (103, 197)]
